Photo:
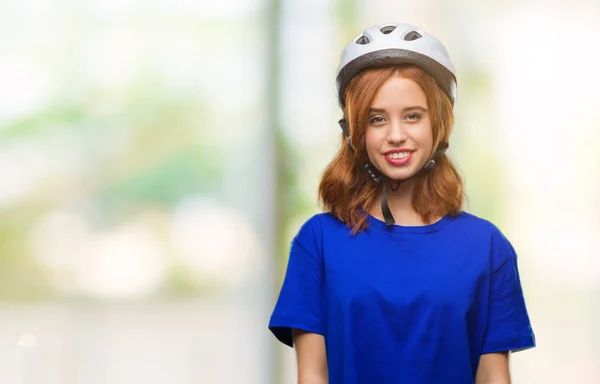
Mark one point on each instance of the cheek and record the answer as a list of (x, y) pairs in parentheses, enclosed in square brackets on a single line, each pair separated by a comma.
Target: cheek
[(372, 141), (425, 136), (373, 138)]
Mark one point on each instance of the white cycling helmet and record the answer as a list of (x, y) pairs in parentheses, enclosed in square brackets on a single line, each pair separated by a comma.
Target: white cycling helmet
[(392, 44)]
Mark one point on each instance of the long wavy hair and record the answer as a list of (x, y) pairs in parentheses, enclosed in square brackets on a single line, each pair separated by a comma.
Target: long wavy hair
[(348, 192)]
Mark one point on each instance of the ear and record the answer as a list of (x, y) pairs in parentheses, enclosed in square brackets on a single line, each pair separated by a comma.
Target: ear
[(440, 151), (344, 125)]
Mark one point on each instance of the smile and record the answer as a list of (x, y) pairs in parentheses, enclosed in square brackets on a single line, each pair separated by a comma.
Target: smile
[(398, 155), (398, 158)]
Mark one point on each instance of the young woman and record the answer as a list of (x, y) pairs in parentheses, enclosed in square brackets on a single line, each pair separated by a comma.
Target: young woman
[(395, 283)]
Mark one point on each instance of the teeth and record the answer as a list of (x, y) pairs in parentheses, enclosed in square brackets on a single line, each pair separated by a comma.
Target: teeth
[(398, 155)]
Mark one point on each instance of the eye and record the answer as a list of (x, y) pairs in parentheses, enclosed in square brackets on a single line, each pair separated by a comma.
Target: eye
[(414, 116), (376, 120)]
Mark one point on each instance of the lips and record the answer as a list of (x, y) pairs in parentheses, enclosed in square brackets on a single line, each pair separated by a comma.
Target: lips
[(398, 157)]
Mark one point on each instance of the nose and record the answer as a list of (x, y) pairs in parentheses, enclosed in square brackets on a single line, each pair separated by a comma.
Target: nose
[(396, 133)]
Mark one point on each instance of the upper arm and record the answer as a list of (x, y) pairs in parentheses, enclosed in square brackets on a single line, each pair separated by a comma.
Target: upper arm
[(508, 326), (311, 357), (300, 301), (493, 369)]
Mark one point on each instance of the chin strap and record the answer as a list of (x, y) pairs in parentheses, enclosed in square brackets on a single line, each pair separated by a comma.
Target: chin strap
[(385, 209), (381, 179)]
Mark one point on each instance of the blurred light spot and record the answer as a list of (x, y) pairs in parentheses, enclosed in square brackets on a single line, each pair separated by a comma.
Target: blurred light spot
[(214, 240), (126, 262), (27, 340)]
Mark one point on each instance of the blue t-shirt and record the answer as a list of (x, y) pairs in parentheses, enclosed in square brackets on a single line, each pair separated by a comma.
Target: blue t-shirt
[(406, 305)]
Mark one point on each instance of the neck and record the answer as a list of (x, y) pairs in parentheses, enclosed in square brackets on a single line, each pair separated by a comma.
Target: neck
[(401, 206), (400, 203), (400, 194)]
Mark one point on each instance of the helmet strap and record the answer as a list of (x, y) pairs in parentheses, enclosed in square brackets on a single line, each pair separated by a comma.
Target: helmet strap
[(380, 179), (385, 209)]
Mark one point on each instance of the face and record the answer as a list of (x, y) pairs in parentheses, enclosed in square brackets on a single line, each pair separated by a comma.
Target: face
[(399, 138)]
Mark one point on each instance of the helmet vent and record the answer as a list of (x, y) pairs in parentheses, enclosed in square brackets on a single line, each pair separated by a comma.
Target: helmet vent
[(412, 35), (363, 40), (387, 29)]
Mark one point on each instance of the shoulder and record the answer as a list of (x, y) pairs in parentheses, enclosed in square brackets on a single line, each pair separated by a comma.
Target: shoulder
[(316, 226), (477, 225), (500, 246), (473, 221)]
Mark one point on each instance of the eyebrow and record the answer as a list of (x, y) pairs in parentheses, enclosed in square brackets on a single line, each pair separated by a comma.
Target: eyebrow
[(412, 108)]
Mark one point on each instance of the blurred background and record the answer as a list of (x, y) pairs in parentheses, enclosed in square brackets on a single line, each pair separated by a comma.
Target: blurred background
[(156, 158)]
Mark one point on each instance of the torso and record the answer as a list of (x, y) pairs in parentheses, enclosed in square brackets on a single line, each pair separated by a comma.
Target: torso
[(399, 302)]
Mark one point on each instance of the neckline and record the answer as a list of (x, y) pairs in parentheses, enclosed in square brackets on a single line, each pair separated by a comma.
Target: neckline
[(396, 228)]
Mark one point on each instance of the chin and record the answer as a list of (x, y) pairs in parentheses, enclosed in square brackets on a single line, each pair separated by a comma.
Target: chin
[(395, 174), (401, 177)]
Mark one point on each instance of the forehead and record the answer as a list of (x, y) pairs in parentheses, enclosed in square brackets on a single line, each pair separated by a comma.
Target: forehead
[(399, 92)]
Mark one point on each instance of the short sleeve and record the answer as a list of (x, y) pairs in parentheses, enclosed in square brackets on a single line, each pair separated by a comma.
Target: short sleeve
[(299, 304), (508, 327)]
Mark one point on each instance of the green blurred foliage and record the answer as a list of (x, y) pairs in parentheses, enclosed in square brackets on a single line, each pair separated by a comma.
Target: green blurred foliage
[(141, 153)]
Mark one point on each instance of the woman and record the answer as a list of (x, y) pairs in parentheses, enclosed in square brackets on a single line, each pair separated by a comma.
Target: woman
[(395, 283)]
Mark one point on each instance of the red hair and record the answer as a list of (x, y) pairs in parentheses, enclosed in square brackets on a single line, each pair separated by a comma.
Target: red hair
[(349, 193)]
